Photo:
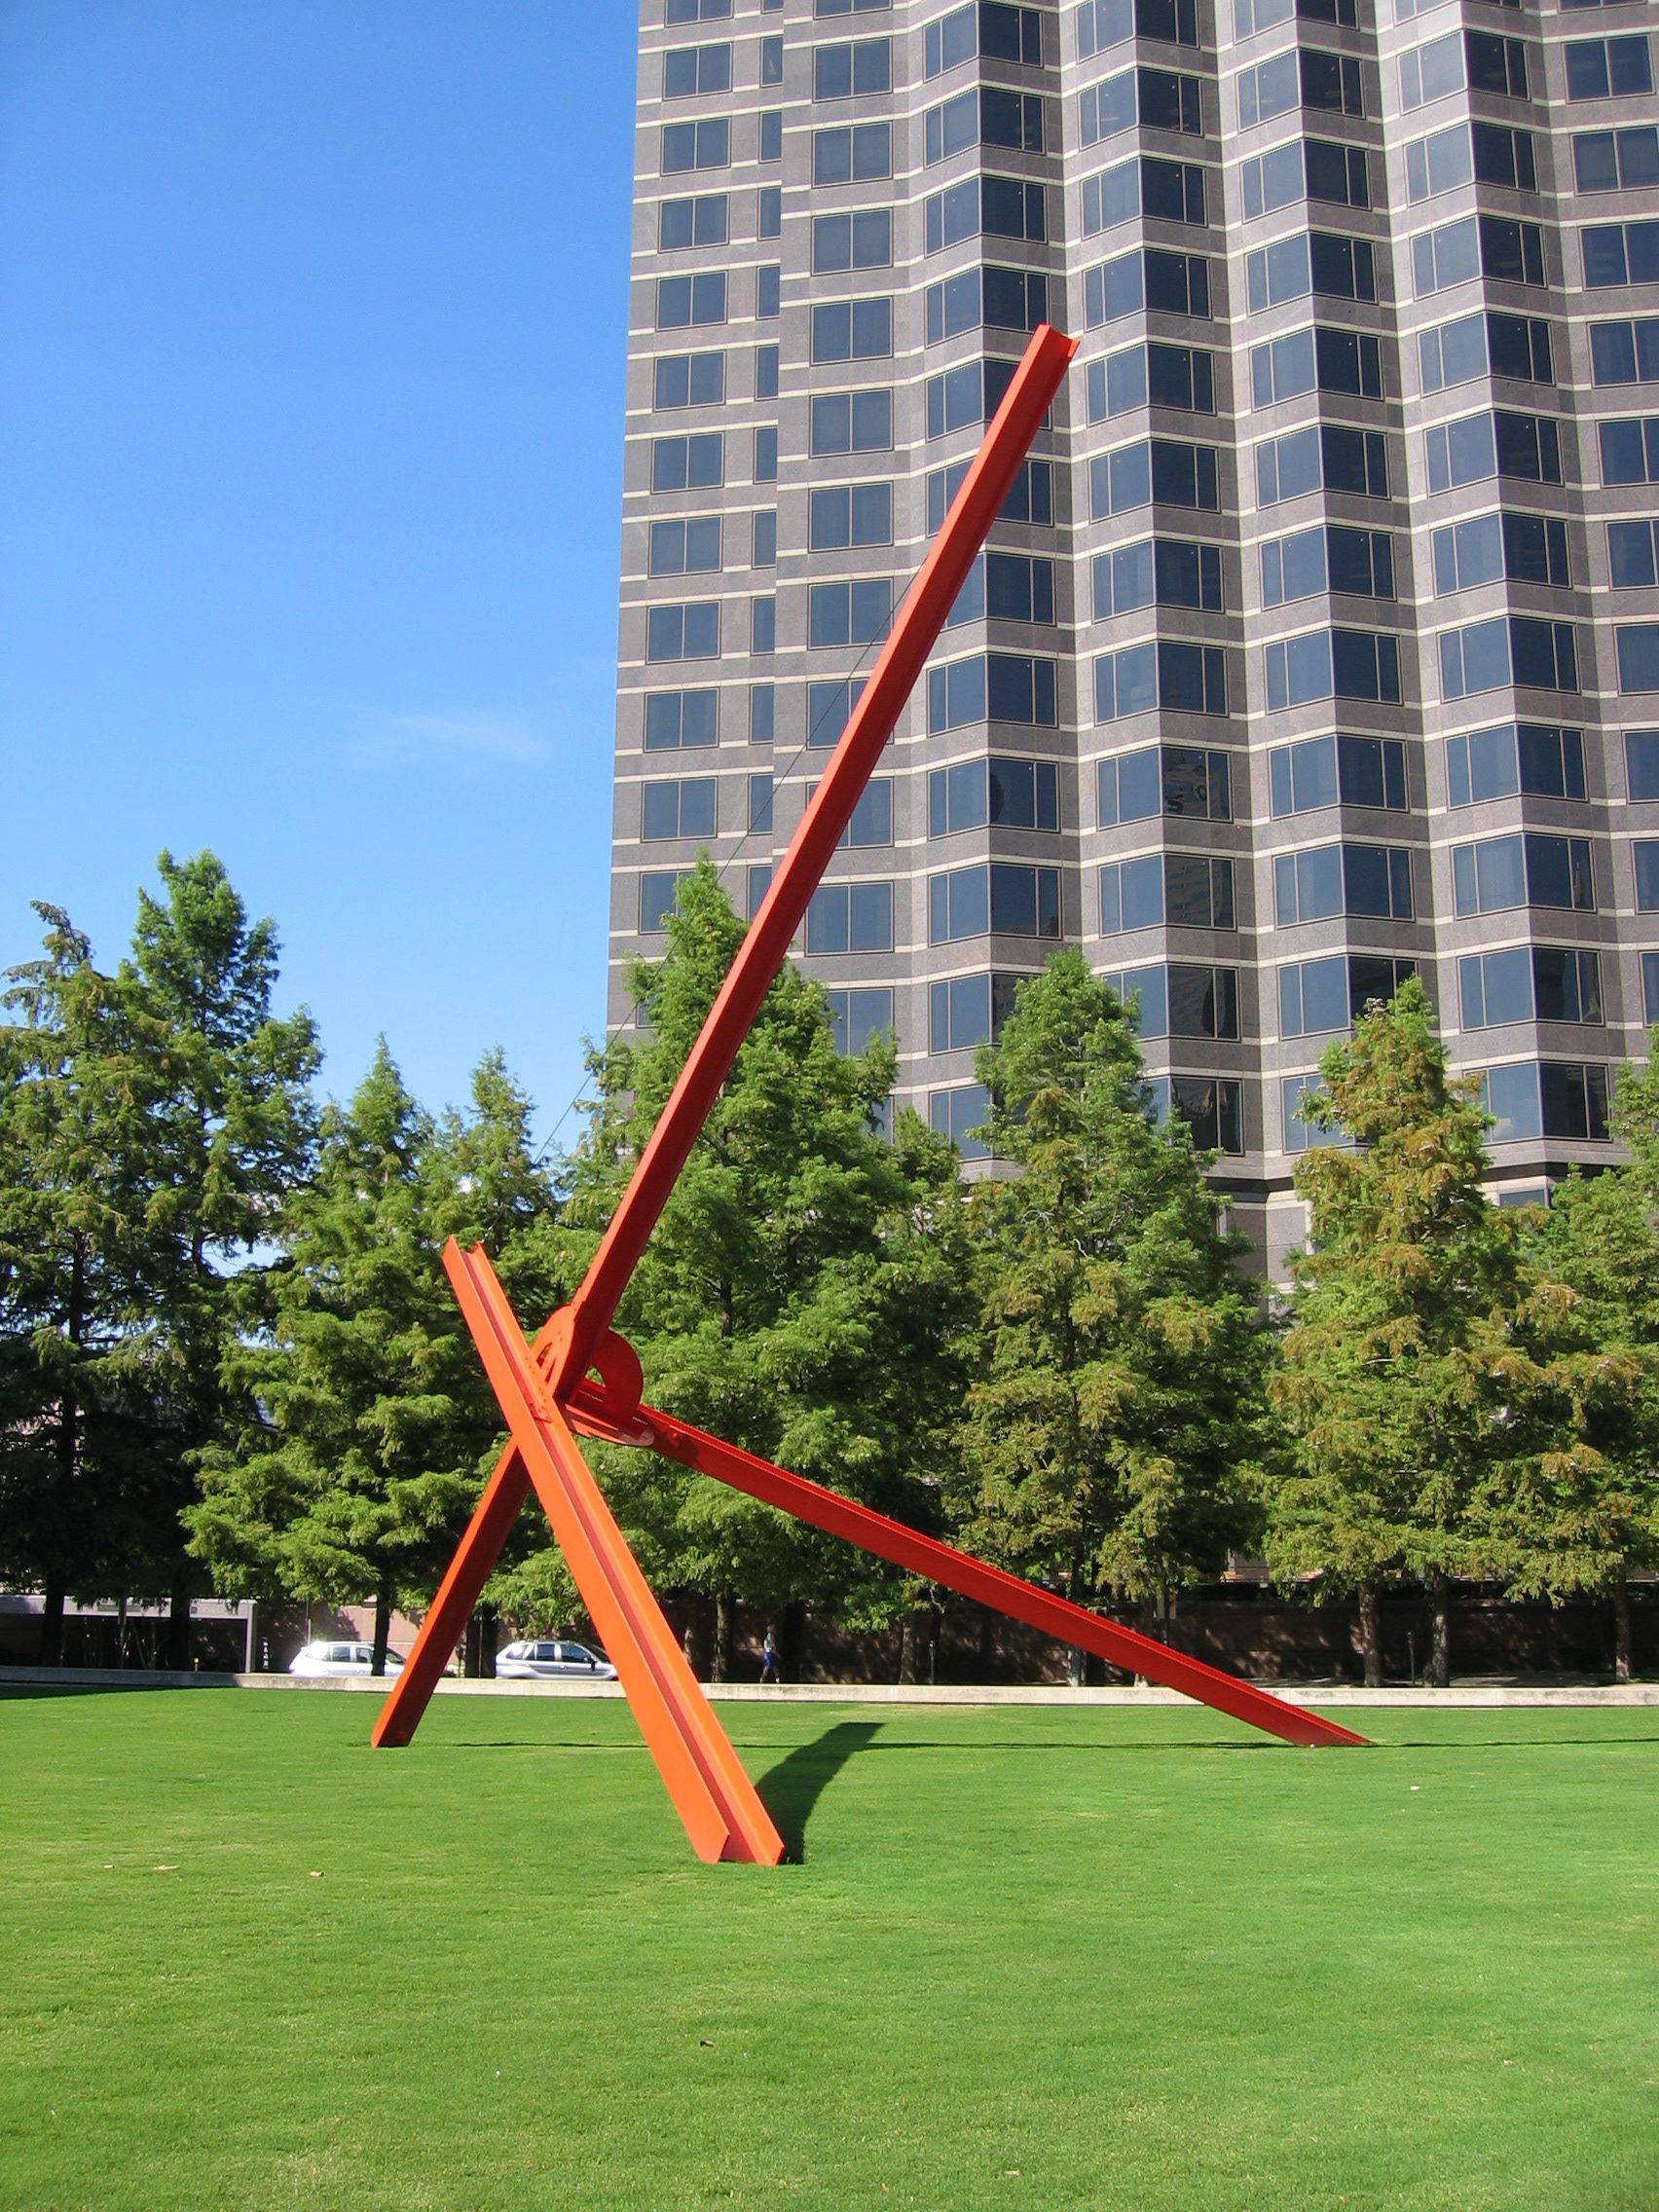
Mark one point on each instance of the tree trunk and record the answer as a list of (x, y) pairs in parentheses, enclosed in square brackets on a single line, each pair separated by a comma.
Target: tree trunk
[(1623, 1662), (50, 1652), (1440, 1631), (479, 1656), (1077, 1663), (178, 1633), (68, 1453), (791, 1641), (382, 1628), (907, 1641), (1371, 1634), (726, 1631)]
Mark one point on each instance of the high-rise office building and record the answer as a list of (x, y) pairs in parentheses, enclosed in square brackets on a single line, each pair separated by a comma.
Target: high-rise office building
[(1318, 642)]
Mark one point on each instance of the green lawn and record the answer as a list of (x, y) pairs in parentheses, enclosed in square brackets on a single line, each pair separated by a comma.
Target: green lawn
[(1036, 1956)]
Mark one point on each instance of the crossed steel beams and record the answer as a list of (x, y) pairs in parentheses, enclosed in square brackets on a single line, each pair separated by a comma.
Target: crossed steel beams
[(545, 1392)]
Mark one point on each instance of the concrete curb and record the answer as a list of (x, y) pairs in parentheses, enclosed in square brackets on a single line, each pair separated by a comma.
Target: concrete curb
[(1473, 1696)]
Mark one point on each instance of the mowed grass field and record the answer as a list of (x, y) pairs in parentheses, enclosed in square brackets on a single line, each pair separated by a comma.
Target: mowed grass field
[(1036, 1958)]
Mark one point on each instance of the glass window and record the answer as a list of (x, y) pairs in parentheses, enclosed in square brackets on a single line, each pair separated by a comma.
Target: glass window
[(859, 239), (1193, 782), (829, 704), (691, 632), (690, 70), (704, 145), (682, 223), (855, 152), (850, 917), (1535, 758), (1185, 678), (680, 719), (1174, 890), (1318, 997), (684, 808), (1608, 68), (1000, 32), (1001, 897), (1362, 771), (850, 68), (859, 1016), (965, 395), (1637, 646), (1616, 160), (1529, 982), (844, 515), (1524, 869), (985, 117), (851, 421), (1323, 880), (690, 303), (687, 547), (853, 613), (1642, 762), (658, 892), (966, 1011), (961, 1113), (1012, 794), (1302, 1134)]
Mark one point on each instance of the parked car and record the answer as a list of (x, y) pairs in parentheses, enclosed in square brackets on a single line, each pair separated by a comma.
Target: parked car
[(314, 1662), (544, 1662)]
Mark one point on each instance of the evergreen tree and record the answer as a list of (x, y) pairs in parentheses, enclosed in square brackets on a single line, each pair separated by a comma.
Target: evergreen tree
[(233, 1127), (379, 1421), (1591, 1521), (1112, 1430), (1429, 1380), (800, 1296), (80, 1078)]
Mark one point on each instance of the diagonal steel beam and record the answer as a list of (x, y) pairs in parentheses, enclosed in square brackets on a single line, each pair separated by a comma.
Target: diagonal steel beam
[(714, 1797), (917, 626), (595, 1412), (585, 1321)]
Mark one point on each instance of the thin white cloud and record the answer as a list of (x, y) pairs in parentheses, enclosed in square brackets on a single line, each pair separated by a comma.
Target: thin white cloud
[(477, 737)]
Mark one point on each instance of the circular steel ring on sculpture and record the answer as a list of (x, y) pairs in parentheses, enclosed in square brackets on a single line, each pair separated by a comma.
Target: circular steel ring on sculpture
[(615, 1362)]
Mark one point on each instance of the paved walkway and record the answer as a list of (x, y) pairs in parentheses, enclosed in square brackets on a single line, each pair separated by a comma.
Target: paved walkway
[(1474, 1693)]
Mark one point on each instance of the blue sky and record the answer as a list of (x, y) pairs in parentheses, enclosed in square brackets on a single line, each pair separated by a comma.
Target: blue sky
[(311, 415)]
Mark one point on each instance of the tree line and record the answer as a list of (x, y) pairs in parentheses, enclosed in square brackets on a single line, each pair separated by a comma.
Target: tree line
[(229, 1358)]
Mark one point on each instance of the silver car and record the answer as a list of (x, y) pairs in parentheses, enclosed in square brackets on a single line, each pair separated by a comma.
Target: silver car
[(542, 1661), (317, 1662)]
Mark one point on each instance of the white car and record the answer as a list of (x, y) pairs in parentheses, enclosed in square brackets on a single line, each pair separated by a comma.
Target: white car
[(544, 1662), (317, 1662)]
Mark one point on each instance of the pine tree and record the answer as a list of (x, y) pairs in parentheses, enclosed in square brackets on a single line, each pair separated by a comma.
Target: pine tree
[(379, 1421), (800, 1296), (1429, 1380), (81, 1069), (1112, 1425), (1592, 1521), (234, 1128)]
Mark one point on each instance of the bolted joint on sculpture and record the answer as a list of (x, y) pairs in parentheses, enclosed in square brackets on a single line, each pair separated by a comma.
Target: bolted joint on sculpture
[(580, 1378)]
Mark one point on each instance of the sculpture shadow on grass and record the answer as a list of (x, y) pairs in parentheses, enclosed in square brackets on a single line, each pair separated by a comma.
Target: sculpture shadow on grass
[(791, 1790)]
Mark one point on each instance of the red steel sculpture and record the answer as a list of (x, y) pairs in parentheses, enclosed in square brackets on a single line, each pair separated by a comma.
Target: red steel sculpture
[(580, 1377)]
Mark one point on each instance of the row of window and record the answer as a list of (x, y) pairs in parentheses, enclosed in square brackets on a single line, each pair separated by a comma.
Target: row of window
[(1196, 783), (1175, 890), (695, 544), (1473, 449)]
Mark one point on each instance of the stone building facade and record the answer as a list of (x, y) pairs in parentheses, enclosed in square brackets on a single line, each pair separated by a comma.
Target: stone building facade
[(1319, 642)]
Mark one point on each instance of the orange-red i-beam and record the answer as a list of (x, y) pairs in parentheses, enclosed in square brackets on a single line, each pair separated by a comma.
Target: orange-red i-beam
[(545, 1393)]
